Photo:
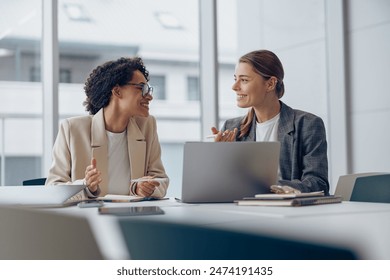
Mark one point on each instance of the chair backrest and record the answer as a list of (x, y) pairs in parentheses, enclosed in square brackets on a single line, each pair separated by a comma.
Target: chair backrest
[(34, 182), (190, 242), (375, 188)]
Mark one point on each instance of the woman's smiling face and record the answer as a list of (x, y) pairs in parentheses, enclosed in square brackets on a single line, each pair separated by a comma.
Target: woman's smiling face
[(133, 101), (250, 87)]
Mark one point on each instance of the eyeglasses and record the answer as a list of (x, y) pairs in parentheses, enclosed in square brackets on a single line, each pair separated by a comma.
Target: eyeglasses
[(146, 89)]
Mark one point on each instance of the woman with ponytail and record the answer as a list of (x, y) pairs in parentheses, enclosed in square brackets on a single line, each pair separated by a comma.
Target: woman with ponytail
[(258, 83)]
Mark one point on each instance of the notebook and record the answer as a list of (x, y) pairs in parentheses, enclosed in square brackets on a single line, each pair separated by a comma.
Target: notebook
[(227, 171), (55, 195), (297, 201), (286, 195)]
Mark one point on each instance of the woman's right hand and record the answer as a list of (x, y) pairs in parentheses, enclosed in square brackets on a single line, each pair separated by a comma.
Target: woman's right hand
[(224, 136), (92, 176)]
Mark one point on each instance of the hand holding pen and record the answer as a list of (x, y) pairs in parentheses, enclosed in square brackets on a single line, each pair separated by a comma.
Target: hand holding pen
[(146, 185)]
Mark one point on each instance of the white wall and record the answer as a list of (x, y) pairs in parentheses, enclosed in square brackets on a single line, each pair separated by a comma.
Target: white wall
[(369, 70)]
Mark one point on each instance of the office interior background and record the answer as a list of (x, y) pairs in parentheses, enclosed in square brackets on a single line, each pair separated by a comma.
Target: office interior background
[(335, 55)]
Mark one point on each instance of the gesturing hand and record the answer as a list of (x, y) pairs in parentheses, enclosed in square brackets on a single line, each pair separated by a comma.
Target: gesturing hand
[(224, 136), (92, 176)]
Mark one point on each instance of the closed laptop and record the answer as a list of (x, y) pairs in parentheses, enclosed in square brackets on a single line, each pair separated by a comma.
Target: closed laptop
[(55, 195), (227, 171)]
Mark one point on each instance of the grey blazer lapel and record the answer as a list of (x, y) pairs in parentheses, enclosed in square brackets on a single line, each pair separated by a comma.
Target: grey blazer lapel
[(286, 122), (286, 139)]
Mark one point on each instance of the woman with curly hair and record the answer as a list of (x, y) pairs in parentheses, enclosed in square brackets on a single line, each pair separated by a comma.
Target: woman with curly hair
[(117, 142), (258, 83)]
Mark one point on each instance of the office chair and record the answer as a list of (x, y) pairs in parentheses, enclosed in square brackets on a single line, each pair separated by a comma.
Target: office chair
[(33, 182), (170, 241), (375, 188)]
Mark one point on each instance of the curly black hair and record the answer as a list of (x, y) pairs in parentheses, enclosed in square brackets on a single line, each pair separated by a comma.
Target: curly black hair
[(105, 77)]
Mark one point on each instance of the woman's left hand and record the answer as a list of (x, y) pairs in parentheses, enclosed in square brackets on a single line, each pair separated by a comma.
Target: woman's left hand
[(146, 188)]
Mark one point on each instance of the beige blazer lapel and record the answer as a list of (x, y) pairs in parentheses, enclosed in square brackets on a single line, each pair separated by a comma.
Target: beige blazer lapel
[(137, 149), (99, 146)]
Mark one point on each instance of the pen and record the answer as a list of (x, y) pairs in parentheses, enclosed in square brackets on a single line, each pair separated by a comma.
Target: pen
[(211, 136), (115, 200), (148, 179)]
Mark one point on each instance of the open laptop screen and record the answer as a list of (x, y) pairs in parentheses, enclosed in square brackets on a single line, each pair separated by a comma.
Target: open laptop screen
[(226, 171)]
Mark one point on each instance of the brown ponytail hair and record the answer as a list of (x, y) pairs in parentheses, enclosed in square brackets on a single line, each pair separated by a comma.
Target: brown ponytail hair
[(266, 64)]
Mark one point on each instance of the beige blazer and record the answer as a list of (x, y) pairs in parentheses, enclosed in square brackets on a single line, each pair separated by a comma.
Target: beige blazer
[(81, 138)]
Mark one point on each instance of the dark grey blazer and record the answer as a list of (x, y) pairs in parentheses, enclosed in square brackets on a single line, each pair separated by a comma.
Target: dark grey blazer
[(303, 156)]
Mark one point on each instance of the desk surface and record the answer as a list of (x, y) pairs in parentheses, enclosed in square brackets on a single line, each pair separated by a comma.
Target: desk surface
[(362, 227)]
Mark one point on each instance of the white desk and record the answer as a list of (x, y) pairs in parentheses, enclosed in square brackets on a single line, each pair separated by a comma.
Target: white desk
[(362, 227)]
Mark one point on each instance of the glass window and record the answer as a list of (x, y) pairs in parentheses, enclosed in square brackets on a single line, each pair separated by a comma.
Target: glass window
[(20, 91), (228, 52), (65, 76), (164, 34), (158, 84), (193, 88), (35, 74)]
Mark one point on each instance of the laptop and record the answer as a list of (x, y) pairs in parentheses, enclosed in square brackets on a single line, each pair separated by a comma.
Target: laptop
[(346, 183), (32, 234), (227, 171), (55, 195)]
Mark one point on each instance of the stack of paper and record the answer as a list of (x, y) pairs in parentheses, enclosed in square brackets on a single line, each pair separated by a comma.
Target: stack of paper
[(300, 199)]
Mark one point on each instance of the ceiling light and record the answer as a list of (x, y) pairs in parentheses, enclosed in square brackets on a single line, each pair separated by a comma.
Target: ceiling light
[(76, 12), (167, 20)]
